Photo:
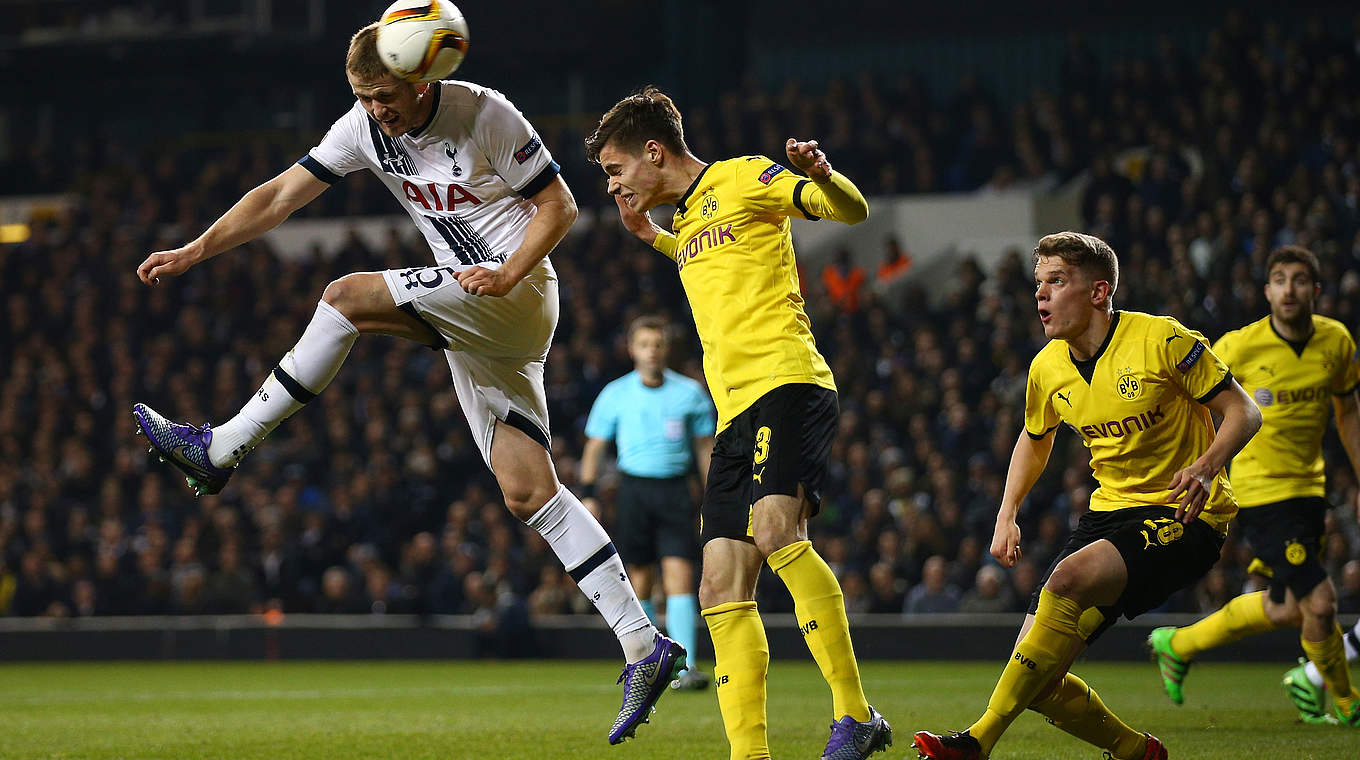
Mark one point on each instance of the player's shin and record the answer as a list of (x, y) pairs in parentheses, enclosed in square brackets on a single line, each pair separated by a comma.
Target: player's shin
[(1047, 646), (1241, 616), (302, 373), (1077, 709), (741, 660), (820, 607), (589, 557), (1329, 655)]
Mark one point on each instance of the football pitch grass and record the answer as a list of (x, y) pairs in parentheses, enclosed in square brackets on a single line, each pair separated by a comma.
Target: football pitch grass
[(549, 710)]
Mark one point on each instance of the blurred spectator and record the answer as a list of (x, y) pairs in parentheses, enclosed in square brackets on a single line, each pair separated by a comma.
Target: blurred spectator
[(337, 594), (934, 593), (844, 281), (896, 263), (989, 592)]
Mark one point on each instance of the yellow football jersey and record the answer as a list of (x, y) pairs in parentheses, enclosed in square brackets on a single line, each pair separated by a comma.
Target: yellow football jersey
[(1294, 385), (734, 251), (1138, 405)]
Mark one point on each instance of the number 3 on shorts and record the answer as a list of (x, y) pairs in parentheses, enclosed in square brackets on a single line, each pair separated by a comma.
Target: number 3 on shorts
[(762, 444)]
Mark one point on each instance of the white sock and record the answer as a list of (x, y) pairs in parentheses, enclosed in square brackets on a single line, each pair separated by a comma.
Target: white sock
[(579, 541), (302, 373), (1349, 640)]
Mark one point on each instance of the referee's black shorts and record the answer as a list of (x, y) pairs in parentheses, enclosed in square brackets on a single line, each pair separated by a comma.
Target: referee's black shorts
[(657, 517), (778, 443)]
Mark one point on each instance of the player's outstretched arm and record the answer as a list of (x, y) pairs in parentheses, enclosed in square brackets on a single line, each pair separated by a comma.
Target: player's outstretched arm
[(833, 195), (556, 211), (1347, 407), (1028, 459), (1241, 420), (258, 211)]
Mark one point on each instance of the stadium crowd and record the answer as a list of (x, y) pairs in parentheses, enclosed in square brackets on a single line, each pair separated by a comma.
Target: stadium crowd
[(378, 502)]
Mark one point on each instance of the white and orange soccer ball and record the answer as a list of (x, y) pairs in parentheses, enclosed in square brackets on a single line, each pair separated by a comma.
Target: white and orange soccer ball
[(422, 40)]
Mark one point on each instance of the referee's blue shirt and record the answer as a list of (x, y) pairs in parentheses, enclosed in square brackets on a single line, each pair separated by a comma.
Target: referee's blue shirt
[(653, 428)]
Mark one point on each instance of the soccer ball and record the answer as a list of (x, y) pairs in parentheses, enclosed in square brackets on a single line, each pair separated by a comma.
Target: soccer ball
[(422, 40)]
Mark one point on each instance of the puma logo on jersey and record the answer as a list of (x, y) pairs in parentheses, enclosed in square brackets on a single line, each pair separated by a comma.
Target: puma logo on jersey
[(1064, 397), (756, 476), (1173, 337)]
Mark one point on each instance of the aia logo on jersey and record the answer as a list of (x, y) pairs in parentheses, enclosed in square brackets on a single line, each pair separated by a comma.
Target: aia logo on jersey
[(769, 173), (447, 200), (529, 149)]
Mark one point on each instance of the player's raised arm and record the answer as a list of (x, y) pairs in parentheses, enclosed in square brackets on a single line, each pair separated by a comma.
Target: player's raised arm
[(832, 195), (258, 211), (1241, 419), (1028, 459)]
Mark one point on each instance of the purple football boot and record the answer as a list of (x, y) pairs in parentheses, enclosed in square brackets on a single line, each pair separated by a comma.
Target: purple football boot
[(643, 684), (853, 740), (185, 447)]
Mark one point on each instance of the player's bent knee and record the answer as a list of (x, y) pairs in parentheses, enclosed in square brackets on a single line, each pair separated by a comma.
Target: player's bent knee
[(1285, 614), (1320, 602), (353, 295)]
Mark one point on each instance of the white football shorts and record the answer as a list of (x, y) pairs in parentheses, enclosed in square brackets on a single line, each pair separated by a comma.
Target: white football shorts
[(496, 346)]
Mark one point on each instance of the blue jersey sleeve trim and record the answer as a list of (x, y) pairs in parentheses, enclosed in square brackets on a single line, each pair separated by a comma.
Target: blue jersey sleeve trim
[(543, 179), (320, 172)]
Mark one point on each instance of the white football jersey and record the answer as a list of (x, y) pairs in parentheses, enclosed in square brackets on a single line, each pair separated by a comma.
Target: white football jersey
[(465, 176)]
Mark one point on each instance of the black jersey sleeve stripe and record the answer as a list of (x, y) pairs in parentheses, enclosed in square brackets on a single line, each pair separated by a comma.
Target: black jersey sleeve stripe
[(541, 181), (1217, 389), (798, 200), (320, 172), (1043, 435)]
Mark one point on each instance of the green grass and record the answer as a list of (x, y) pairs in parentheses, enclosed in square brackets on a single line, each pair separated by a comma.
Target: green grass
[(546, 711)]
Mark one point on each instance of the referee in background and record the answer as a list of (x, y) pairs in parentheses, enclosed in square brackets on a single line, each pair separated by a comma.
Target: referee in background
[(662, 425)]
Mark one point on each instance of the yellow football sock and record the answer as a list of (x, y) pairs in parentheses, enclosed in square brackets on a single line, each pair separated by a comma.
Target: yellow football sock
[(741, 659), (820, 607), (1077, 709), (1329, 655), (1241, 616), (1046, 647)]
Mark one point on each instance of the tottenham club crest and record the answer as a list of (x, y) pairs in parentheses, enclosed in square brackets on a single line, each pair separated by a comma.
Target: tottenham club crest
[(1129, 386), (709, 207)]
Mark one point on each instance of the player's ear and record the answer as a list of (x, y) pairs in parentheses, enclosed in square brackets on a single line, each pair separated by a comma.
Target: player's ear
[(654, 152), (1100, 291)]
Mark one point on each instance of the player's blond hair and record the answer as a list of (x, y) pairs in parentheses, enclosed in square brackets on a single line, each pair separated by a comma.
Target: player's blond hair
[(1088, 253), (648, 114), (362, 60)]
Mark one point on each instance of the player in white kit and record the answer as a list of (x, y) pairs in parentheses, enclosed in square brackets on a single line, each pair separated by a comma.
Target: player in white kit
[(485, 192)]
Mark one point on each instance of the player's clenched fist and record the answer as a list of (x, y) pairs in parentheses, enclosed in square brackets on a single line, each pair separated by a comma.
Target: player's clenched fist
[(809, 159), (1006, 543)]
